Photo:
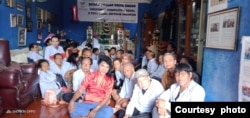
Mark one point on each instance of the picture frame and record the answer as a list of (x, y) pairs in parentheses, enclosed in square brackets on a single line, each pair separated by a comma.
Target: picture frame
[(10, 3), (20, 19), (19, 6), (28, 12), (13, 20), (222, 29), (22, 32), (29, 25), (38, 13)]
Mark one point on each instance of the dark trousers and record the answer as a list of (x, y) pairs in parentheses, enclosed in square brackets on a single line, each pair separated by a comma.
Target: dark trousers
[(60, 80), (68, 96), (136, 114)]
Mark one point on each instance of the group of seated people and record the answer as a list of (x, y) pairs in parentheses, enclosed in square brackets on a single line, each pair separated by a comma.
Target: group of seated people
[(88, 79)]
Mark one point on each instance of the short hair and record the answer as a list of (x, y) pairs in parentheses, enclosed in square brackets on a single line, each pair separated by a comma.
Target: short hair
[(183, 67), (72, 58), (57, 55), (171, 54), (83, 58), (47, 41), (39, 63), (85, 50), (126, 55), (54, 37), (89, 45), (121, 50), (117, 59), (172, 45), (129, 65), (95, 50), (106, 59), (74, 44), (112, 48), (32, 46), (190, 61), (158, 57), (107, 50)]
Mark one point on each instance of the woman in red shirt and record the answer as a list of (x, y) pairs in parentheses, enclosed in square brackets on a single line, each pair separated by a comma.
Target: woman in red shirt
[(98, 86)]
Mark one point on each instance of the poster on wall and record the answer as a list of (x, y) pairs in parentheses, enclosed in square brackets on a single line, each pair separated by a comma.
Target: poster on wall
[(98, 11), (22, 36), (216, 5), (222, 29), (244, 80), (13, 19)]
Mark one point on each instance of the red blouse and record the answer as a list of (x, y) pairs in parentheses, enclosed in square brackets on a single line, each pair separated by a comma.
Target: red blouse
[(95, 92)]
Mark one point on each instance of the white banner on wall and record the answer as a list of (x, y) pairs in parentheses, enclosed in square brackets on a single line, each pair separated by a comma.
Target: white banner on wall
[(244, 78), (97, 11)]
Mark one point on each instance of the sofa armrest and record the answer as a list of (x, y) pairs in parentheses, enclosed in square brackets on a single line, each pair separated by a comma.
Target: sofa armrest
[(28, 68), (10, 79)]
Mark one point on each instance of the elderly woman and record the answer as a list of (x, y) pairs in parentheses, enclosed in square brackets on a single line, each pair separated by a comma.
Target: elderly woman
[(184, 90), (168, 77), (98, 86)]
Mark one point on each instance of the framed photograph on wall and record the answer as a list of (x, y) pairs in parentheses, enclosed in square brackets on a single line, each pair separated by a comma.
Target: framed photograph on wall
[(10, 3), (13, 20), (222, 29), (19, 6), (29, 25), (21, 36), (20, 20), (28, 12)]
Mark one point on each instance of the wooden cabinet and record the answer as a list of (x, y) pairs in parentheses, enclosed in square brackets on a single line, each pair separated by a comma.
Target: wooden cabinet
[(191, 29), (148, 27)]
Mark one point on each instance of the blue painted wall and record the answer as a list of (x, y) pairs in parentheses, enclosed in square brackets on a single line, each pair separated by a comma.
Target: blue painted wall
[(6, 31), (10, 34), (221, 67), (158, 6)]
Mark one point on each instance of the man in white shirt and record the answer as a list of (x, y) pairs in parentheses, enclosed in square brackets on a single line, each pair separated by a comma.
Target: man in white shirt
[(113, 53), (79, 75), (88, 53), (145, 92), (61, 67), (53, 49), (95, 54), (152, 65), (33, 54), (144, 62), (127, 87)]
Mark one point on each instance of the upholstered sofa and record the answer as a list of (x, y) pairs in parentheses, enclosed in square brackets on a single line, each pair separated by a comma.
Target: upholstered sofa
[(1, 107), (19, 81)]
